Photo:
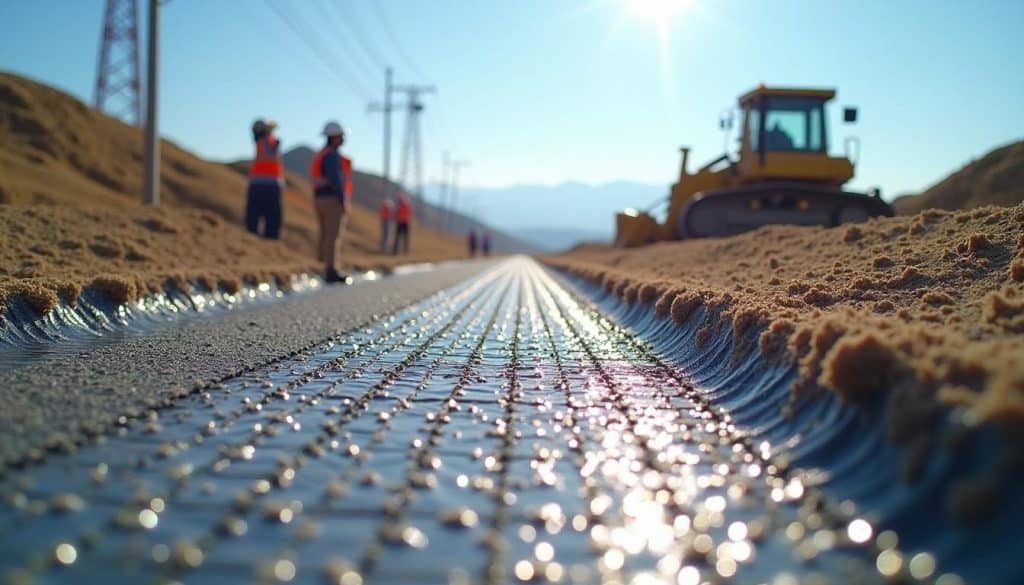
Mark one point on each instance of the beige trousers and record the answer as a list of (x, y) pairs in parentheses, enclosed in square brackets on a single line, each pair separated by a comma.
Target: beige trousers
[(331, 214)]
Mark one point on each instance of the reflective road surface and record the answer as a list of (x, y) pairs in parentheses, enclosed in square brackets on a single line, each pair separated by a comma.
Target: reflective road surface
[(500, 431)]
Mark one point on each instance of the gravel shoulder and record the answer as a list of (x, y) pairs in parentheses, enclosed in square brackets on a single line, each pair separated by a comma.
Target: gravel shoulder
[(62, 399)]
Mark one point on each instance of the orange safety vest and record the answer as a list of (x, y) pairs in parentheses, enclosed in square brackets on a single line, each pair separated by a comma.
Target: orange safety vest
[(268, 163), (346, 171), (404, 210), (316, 171)]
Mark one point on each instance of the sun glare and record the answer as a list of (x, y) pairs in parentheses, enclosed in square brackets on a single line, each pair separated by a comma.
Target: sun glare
[(660, 15), (658, 12)]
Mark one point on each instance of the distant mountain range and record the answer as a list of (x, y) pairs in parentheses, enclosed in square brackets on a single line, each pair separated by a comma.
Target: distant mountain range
[(574, 209), (558, 239)]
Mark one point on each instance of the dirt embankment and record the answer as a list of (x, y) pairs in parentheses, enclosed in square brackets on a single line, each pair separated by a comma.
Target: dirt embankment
[(994, 179), (52, 253), (923, 313), (69, 184)]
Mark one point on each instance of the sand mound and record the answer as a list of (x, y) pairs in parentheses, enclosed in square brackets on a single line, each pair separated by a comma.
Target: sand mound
[(52, 253), (922, 313), (995, 179), (56, 150)]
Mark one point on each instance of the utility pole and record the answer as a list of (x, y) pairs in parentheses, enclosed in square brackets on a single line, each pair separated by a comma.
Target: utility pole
[(117, 74), (412, 146), (152, 147), (386, 108), (456, 165)]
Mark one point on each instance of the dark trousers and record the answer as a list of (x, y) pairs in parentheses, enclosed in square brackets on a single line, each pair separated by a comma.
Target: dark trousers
[(264, 203), (401, 233)]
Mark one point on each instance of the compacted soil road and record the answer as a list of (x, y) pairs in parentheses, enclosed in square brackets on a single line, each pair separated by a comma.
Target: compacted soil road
[(500, 429)]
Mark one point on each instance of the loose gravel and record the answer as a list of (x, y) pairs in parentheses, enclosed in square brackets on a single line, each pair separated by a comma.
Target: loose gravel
[(57, 400)]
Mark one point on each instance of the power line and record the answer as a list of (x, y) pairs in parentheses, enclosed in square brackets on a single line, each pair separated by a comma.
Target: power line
[(316, 46), (345, 59), (382, 18), (357, 29), (361, 57)]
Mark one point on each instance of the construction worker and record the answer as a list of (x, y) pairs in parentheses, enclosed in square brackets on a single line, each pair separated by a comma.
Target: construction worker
[(486, 246), (403, 215), (331, 175), (471, 240), (387, 213), (266, 179)]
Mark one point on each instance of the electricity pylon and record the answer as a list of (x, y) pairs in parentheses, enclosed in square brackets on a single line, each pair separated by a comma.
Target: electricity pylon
[(118, 84), (412, 146)]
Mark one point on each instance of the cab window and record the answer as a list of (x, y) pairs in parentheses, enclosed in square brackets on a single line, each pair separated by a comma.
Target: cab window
[(754, 127), (793, 123)]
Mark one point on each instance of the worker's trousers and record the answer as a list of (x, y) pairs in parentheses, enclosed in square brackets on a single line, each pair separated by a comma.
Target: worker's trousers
[(263, 209), (401, 235), (331, 214), (385, 235)]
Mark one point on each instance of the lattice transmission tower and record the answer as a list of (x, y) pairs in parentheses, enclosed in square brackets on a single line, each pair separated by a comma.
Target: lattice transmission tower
[(118, 87), (412, 145)]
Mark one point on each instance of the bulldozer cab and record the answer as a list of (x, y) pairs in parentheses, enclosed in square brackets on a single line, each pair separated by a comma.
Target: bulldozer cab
[(785, 136)]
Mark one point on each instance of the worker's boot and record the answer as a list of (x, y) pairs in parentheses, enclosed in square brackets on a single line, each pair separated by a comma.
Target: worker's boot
[(335, 277)]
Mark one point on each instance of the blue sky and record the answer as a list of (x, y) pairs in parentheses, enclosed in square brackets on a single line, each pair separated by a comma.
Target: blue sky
[(546, 91)]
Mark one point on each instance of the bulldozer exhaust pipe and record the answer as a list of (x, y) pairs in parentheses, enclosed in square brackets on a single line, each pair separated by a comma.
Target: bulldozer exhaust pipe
[(685, 150)]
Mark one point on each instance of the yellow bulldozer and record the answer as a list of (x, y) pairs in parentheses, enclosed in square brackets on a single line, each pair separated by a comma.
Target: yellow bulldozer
[(783, 175)]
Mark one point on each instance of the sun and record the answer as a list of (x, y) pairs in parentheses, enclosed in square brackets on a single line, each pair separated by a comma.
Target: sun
[(658, 12)]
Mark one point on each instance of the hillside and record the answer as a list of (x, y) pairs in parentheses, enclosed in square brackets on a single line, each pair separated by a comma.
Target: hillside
[(995, 179), (56, 150)]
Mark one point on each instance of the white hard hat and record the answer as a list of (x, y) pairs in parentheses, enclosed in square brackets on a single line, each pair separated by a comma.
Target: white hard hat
[(333, 128)]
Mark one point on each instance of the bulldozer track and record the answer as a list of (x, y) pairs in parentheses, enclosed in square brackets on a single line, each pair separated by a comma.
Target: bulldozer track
[(501, 430)]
